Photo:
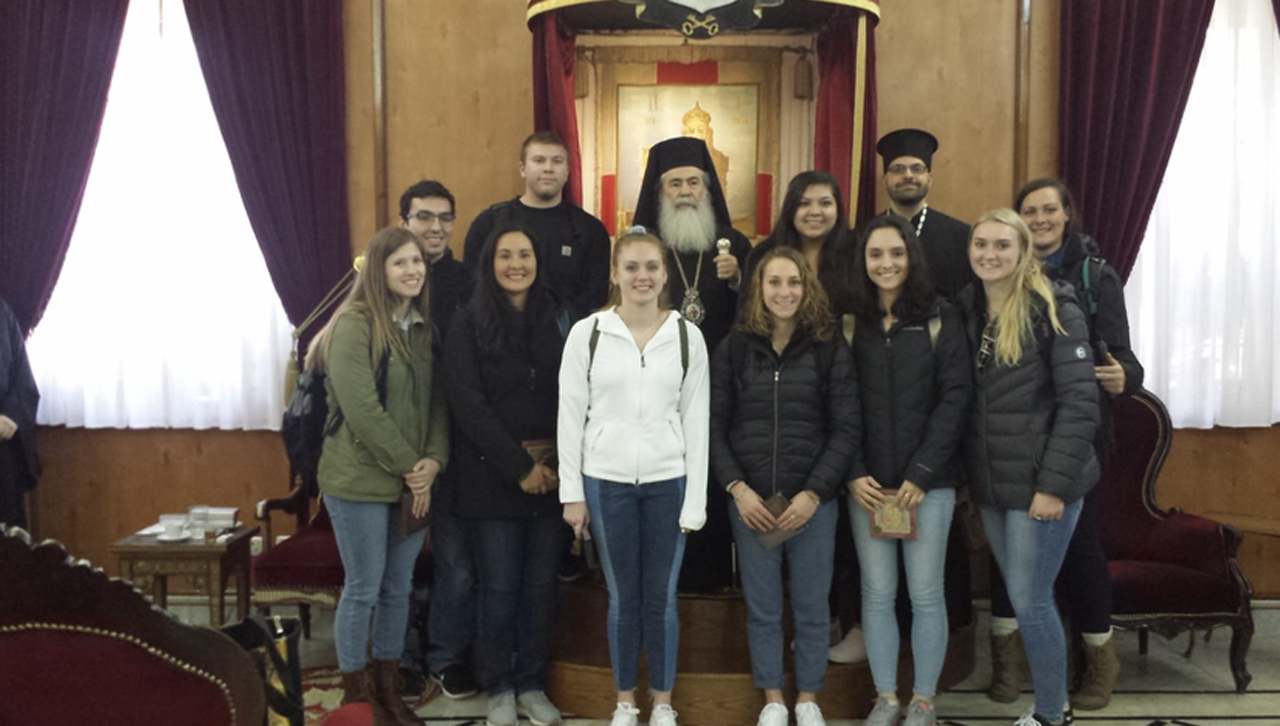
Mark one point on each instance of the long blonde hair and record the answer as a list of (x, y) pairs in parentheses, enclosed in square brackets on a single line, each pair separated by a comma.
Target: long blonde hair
[(371, 296), (1013, 321), (638, 235)]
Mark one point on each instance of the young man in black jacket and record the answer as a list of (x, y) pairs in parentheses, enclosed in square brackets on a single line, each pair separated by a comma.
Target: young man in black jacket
[(427, 209)]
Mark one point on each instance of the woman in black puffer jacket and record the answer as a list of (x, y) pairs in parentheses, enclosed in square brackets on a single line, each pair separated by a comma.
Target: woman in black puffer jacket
[(1029, 448), (503, 359), (784, 430), (915, 383)]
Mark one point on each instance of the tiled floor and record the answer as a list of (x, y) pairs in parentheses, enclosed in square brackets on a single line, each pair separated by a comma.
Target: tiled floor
[(1164, 684)]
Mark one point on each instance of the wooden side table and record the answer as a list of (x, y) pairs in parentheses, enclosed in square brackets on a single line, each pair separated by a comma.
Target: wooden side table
[(145, 561)]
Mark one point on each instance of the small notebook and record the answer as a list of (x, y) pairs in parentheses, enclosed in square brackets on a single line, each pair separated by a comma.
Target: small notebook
[(891, 521), (777, 504)]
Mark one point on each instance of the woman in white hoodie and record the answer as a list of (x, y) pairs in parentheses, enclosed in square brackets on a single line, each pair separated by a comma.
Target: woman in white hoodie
[(632, 438)]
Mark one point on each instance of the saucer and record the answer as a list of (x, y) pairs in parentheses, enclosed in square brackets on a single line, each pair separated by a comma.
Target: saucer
[(179, 538)]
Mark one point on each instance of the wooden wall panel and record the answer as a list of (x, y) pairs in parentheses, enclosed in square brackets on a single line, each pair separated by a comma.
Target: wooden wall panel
[(1230, 475), (357, 40), (102, 484), (950, 68)]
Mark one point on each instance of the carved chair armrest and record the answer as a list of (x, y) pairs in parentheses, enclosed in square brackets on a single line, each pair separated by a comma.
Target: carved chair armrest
[(297, 503)]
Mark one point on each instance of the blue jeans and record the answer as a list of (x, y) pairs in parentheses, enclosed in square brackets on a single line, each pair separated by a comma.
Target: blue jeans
[(810, 559), (1029, 554), (518, 560), (451, 620), (925, 558), (636, 529), (378, 566)]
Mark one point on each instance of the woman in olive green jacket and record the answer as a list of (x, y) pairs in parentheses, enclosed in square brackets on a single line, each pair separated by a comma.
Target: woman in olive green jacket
[(394, 434)]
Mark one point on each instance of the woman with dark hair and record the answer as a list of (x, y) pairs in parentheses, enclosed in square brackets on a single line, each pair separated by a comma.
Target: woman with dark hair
[(376, 352), (503, 359), (1029, 444), (1066, 254), (813, 222), (915, 384), (784, 429), (632, 431)]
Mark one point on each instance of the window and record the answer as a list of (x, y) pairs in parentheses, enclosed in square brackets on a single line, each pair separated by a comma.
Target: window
[(1203, 298), (164, 314)]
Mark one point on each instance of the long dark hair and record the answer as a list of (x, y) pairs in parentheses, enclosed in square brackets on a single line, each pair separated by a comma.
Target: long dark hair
[(500, 328), (784, 234), (917, 297), (1072, 226)]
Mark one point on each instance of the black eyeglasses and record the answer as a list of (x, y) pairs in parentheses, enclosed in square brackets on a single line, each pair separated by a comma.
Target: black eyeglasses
[(916, 169), (426, 217)]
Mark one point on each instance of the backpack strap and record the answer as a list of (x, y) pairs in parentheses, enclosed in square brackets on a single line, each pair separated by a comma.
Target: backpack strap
[(591, 347), (684, 348), (1089, 288)]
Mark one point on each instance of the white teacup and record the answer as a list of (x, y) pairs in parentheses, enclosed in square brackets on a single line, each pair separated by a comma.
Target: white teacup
[(173, 528)]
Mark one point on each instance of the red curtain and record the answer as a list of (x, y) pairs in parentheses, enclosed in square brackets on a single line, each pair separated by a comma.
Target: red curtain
[(58, 57), (275, 76), (554, 49), (835, 133), (1125, 75)]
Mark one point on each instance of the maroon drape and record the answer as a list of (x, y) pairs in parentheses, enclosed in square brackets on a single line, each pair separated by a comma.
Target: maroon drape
[(834, 128), (1124, 79), (56, 61), (554, 48), (275, 76)]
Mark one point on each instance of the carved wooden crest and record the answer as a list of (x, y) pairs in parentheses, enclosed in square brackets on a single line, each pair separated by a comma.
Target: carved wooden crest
[(702, 19)]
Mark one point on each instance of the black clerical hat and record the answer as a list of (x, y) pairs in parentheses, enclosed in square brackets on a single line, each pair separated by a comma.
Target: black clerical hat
[(907, 142), (670, 154)]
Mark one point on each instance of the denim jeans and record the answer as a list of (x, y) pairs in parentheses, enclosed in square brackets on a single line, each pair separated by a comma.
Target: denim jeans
[(925, 558), (451, 620), (378, 566), (810, 559), (636, 529), (1030, 554), (517, 561)]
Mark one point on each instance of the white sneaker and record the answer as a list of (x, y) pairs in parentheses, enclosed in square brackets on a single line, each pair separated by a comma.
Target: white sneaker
[(850, 650), (626, 714), (773, 714), (808, 714), (662, 715)]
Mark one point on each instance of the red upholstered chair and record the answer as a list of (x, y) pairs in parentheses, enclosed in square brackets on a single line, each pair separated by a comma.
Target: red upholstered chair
[(305, 569), (1170, 571), (77, 647)]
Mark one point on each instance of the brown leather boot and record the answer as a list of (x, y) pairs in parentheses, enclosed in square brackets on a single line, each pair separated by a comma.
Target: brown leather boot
[(1008, 660), (1102, 668), (387, 695), (355, 687)]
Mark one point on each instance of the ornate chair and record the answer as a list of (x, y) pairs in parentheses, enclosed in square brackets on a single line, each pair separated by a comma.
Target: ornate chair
[(305, 569), (1170, 571), (77, 647)]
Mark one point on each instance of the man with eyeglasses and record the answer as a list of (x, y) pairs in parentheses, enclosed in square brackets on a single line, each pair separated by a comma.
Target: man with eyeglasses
[(908, 172), (427, 210), (573, 246)]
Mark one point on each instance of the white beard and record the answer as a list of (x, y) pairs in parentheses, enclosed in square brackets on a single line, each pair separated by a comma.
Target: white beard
[(687, 229)]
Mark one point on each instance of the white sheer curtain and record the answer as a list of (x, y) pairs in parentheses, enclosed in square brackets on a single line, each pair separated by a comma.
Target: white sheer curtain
[(1204, 297), (164, 315)]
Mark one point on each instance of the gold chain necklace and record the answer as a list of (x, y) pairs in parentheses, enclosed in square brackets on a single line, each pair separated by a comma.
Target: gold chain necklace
[(691, 306)]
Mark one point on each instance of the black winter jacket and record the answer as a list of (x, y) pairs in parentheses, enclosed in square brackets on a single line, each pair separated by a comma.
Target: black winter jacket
[(498, 402), (1032, 425), (915, 398), (1109, 323), (783, 423)]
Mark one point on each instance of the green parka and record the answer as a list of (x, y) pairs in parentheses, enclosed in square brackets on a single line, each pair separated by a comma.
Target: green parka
[(366, 458)]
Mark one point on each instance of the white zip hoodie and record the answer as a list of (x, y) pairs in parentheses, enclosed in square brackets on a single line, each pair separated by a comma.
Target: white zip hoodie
[(637, 423)]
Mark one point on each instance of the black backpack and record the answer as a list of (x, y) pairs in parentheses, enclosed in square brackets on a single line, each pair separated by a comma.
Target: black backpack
[(308, 422)]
